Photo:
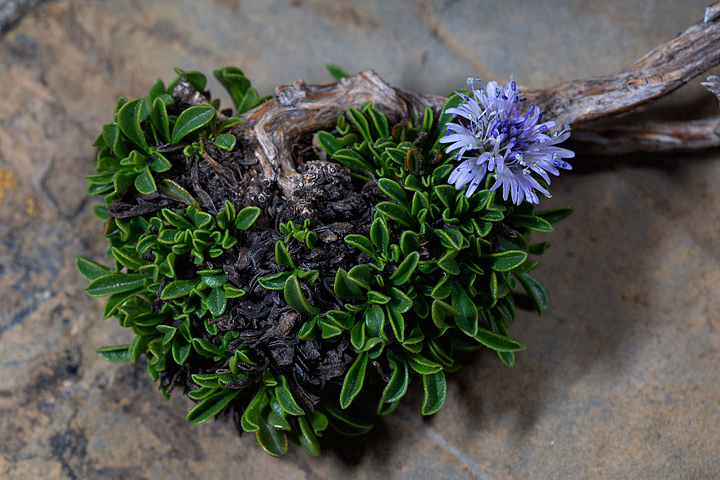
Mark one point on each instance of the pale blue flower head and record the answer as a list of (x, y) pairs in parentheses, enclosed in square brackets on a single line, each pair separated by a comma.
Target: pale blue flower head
[(490, 134)]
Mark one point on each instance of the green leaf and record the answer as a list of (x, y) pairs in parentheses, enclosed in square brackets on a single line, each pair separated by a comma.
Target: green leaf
[(361, 123), (374, 320), (405, 269), (216, 301), (276, 281), (250, 420), (451, 238), (344, 423), (211, 406), (178, 288), (174, 190), (159, 163), (336, 71), (116, 354), (180, 351), (226, 141), (295, 297), (129, 118), (497, 342), (192, 119), (328, 142), (531, 222), (308, 438), (362, 243), (556, 214), (346, 288), (399, 379), (272, 440), (393, 190), (144, 183), (115, 283), (207, 349), (434, 392), (379, 234), (467, 322), (535, 290), (246, 217), (90, 270), (159, 118), (394, 212), (421, 364), (235, 82), (380, 122), (353, 382), (286, 399), (282, 256), (351, 159), (506, 261)]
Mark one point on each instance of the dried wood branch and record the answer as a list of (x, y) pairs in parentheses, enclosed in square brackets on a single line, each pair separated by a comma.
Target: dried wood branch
[(299, 109), (658, 73)]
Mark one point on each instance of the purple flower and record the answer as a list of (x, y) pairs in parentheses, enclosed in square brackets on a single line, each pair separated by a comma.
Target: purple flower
[(490, 134)]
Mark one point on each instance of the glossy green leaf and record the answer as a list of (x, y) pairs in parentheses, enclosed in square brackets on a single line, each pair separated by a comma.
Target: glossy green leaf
[(434, 392), (90, 270), (178, 288), (273, 441), (394, 212), (379, 234), (379, 121), (351, 159), (505, 261), (276, 281), (307, 437), (211, 406), (399, 378), (191, 120), (354, 378), (295, 297), (361, 123), (129, 118), (159, 118), (115, 354), (216, 301), (246, 217), (250, 420), (282, 256), (374, 320), (555, 214), (180, 350), (421, 364), (498, 342), (467, 322), (174, 190), (226, 141), (286, 399), (396, 192), (345, 288), (362, 243), (145, 183), (115, 283), (531, 222), (205, 348), (405, 270), (344, 423), (535, 291), (328, 142)]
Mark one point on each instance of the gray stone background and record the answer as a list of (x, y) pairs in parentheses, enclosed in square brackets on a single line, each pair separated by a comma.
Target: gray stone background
[(621, 376)]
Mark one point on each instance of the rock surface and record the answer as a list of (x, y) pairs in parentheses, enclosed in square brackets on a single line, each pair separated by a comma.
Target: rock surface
[(621, 377)]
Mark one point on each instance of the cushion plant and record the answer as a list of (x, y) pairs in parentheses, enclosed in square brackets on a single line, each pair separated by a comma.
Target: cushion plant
[(402, 241)]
